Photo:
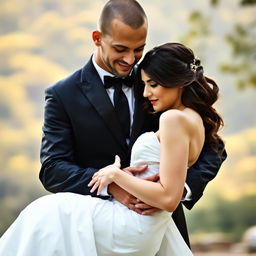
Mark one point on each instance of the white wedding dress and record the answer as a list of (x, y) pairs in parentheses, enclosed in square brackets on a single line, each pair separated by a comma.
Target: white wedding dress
[(68, 224)]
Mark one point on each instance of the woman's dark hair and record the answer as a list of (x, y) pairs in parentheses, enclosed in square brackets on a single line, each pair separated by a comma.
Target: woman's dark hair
[(174, 65)]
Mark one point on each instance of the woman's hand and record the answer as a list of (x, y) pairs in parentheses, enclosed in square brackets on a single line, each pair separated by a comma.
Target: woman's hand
[(104, 176)]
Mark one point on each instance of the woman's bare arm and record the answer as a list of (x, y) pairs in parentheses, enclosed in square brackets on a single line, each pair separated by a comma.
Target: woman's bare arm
[(174, 145)]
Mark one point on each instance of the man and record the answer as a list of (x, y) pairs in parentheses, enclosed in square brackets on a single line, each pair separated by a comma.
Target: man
[(83, 129)]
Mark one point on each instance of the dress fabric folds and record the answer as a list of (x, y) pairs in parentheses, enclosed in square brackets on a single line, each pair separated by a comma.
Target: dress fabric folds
[(68, 224)]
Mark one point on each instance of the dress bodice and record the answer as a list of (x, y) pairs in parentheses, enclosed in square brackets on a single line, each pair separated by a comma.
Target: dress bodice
[(146, 150)]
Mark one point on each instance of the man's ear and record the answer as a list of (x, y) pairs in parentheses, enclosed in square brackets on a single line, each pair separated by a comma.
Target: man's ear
[(96, 37)]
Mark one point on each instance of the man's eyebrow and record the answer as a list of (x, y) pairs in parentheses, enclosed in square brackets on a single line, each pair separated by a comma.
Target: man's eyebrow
[(120, 46), (125, 47), (142, 46)]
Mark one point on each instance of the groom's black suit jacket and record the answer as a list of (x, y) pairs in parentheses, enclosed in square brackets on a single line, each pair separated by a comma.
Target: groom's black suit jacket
[(81, 134)]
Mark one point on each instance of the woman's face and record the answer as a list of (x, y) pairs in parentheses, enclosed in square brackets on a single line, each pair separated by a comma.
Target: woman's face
[(161, 98)]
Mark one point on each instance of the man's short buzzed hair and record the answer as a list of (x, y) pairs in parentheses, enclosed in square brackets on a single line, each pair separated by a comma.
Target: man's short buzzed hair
[(128, 11)]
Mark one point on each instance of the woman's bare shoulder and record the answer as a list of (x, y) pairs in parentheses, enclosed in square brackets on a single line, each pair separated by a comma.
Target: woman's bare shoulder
[(186, 119), (174, 117)]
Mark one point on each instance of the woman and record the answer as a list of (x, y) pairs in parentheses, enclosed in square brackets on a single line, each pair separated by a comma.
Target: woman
[(71, 224)]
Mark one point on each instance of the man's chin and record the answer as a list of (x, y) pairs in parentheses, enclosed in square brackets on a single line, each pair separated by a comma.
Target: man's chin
[(123, 73)]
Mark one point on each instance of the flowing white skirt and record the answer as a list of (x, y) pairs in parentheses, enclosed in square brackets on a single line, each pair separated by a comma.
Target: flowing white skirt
[(67, 224)]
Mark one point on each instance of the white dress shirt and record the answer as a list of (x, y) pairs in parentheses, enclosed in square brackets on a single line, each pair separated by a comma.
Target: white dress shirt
[(128, 91)]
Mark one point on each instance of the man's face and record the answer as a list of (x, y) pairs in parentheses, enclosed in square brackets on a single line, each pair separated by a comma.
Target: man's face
[(121, 48)]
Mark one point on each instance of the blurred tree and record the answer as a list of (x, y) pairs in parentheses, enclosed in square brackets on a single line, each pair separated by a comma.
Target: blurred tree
[(198, 28), (242, 40), (231, 217), (243, 44), (248, 2)]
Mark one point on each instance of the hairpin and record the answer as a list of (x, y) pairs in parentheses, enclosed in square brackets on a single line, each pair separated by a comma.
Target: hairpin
[(194, 65)]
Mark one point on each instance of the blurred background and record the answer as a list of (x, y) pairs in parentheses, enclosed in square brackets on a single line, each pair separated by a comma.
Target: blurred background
[(42, 41)]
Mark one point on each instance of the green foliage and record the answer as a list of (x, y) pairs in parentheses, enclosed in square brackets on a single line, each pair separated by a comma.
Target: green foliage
[(242, 2), (199, 27), (231, 217), (243, 43), (248, 2), (197, 33), (214, 2)]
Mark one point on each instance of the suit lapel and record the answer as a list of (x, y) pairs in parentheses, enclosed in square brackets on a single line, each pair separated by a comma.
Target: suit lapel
[(93, 89)]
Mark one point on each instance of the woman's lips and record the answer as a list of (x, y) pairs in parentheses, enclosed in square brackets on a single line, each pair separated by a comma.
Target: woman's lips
[(153, 101)]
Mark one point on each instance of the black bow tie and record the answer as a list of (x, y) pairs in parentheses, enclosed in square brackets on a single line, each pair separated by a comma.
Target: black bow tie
[(113, 81)]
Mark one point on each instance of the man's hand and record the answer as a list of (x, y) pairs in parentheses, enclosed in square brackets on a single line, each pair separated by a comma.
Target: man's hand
[(129, 200), (123, 197), (147, 209), (135, 170)]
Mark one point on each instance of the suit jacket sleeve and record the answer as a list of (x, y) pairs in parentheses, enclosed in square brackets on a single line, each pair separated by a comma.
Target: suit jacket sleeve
[(59, 172), (203, 171)]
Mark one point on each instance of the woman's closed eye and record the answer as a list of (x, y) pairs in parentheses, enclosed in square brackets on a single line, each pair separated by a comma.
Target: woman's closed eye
[(153, 85)]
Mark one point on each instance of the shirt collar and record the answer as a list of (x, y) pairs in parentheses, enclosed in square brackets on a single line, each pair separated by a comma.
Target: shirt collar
[(100, 70)]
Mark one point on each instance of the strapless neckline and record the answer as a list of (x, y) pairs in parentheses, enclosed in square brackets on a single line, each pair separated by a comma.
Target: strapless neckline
[(151, 133)]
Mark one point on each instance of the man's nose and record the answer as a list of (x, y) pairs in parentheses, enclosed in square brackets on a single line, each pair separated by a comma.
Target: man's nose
[(129, 58)]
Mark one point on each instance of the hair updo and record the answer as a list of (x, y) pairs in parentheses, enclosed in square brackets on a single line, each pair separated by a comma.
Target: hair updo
[(174, 65)]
